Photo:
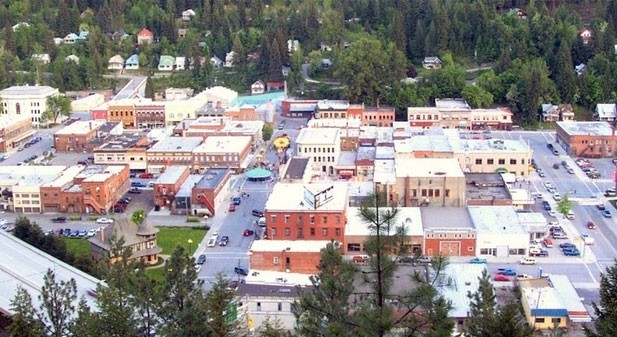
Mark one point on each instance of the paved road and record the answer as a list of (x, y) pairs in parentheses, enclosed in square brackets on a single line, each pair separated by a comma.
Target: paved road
[(135, 85)]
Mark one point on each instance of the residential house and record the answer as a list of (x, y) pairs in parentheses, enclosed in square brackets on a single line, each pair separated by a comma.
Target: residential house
[(115, 63), (132, 63), (70, 38), (555, 113), (229, 59), (216, 62), (275, 85), (586, 34), (20, 25), (41, 58), (141, 241), (72, 58), (82, 36), (258, 87), (188, 14), (182, 33), (326, 63), (144, 36), (166, 63), (431, 62), (180, 63), (606, 112), (292, 46), (580, 69)]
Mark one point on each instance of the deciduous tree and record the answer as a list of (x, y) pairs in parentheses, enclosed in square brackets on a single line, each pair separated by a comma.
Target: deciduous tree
[(56, 106)]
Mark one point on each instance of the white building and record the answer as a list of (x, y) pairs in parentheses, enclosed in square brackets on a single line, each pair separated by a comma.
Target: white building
[(500, 232), (29, 101), (323, 145)]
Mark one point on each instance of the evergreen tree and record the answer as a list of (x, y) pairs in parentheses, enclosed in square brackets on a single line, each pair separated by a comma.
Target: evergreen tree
[(605, 322), (149, 90), (58, 305), (24, 322), (511, 323), (563, 73), (219, 302), (483, 309), (275, 65)]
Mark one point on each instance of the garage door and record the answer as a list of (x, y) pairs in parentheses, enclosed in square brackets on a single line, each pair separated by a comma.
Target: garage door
[(452, 248)]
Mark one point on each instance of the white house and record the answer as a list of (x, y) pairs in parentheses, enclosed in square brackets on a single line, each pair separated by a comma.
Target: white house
[(41, 58), (258, 87), (115, 63), (72, 58), (188, 14), (70, 38), (216, 62), (229, 59), (180, 63), (260, 302), (20, 25), (431, 62), (28, 101), (606, 112)]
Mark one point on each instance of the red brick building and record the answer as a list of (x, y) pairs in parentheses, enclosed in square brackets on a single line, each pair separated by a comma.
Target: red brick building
[(84, 136), (306, 212), (298, 108), (587, 139), (14, 132), (449, 231), (211, 191), (287, 256), (222, 151), (378, 116), (168, 184), (150, 115)]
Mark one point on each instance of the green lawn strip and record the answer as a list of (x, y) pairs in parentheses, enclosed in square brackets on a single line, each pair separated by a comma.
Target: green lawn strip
[(169, 238), (79, 247)]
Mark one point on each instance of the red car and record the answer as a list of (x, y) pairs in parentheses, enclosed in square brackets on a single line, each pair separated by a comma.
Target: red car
[(146, 176), (591, 225), (501, 278), (248, 232), (232, 207)]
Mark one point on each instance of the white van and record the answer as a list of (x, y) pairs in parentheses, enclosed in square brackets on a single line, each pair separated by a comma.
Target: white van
[(528, 260), (570, 215)]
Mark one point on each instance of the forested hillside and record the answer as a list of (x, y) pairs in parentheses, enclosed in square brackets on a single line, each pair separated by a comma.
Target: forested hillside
[(373, 45)]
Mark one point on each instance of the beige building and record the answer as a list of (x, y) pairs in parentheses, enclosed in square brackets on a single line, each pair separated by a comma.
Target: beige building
[(457, 114), (129, 149), (433, 182), (24, 183), (222, 151), (172, 151), (495, 155), (29, 101), (181, 109), (322, 145)]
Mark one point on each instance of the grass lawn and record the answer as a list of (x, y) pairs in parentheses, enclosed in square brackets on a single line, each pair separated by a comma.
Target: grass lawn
[(79, 247), (157, 274), (169, 238)]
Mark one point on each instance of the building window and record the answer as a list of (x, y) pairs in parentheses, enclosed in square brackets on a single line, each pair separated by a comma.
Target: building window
[(279, 306), (502, 161), (539, 319), (258, 306), (312, 231), (470, 249), (337, 219), (512, 161), (556, 320), (325, 219), (437, 192), (273, 218), (424, 192), (353, 247), (447, 193), (275, 260), (479, 161), (287, 231), (273, 232), (324, 232), (490, 161), (312, 219)]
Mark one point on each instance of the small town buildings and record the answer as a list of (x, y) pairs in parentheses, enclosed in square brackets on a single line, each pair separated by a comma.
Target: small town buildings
[(306, 212), (535, 224), (454, 284), (132, 63), (298, 108), (168, 184), (322, 145), (433, 182), (145, 36), (587, 139), (258, 87), (297, 170), (266, 302), (486, 189), (555, 113), (290, 256), (21, 186), (166, 63), (211, 192), (140, 240), (26, 101), (222, 151), (78, 136), (606, 112), (332, 109), (14, 132), (70, 38), (500, 232), (122, 111), (125, 149), (496, 155), (148, 114), (172, 151), (116, 62), (87, 103), (180, 63), (378, 116), (457, 114), (408, 221), (448, 231), (431, 62)]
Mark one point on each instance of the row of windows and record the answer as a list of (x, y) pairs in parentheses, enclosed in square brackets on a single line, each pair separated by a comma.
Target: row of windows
[(312, 232), (217, 158), (322, 159), (499, 161), (451, 235), (316, 149), (26, 195), (429, 192), (379, 117), (596, 142), (121, 113), (27, 202), (300, 219)]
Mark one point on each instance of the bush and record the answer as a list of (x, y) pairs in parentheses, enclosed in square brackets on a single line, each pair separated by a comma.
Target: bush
[(192, 219), (93, 218), (75, 218)]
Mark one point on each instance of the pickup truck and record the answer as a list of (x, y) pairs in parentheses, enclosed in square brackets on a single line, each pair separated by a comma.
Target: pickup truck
[(59, 219)]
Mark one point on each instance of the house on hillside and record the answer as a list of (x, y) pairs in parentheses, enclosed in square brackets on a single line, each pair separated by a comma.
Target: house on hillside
[(141, 240), (166, 63), (132, 63), (580, 69), (20, 25), (72, 58), (182, 33), (188, 14), (606, 112), (586, 35), (275, 85), (431, 62), (70, 38), (216, 62), (180, 63), (229, 59), (555, 113), (115, 63), (258, 87), (41, 58), (145, 36), (82, 36)]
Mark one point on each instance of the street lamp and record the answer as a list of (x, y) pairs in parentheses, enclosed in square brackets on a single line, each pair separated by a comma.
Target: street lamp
[(190, 241)]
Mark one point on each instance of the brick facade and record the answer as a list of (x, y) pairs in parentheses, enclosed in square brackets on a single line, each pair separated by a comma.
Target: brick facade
[(306, 225), (295, 262)]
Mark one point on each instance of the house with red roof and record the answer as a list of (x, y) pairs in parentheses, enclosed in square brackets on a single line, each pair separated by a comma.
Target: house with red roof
[(145, 36)]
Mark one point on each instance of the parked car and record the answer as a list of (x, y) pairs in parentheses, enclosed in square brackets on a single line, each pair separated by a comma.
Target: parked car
[(201, 259), (501, 278), (146, 176), (556, 166), (360, 258), (104, 221), (606, 213), (570, 215), (74, 233), (601, 207), (82, 233), (241, 271), (556, 196), (507, 271), (567, 245), (610, 192), (137, 184), (135, 190), (548, 243), (91, 233), (257, 213), (570, 170), (559, 235), (546, 205), (232, 207), (237, 201), (211, 242), (224, 240), (67, 232), (59, 219), (571, 252), (528, 260), (248, 232), (477, 260)]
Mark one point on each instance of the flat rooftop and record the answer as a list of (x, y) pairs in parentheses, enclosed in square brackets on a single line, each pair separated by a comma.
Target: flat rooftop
[(544, 301), (347, 158), (277, 278), (245, 127), (267, 290), (29, 276), (496, 219), (6, 121), (187, 188), (171, 175), (384, 171), (384, 152), (586, 128), (448, 218), (318, 136), (122, 142), (531, 218), (409, 218), (212, 178), (456, 282), (577, 311), (106, 173), (486, 186), (23, 90), (428, 167), (301, 246), (81, 127), (328, 104), (296, 167), (451, 104), (353, 123), (30, 175), (224, 144), (291, 197), (176, 144), (65, 177), (493, 145)]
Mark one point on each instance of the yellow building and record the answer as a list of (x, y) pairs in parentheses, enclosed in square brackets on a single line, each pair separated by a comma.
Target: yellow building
[(544, 308)]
